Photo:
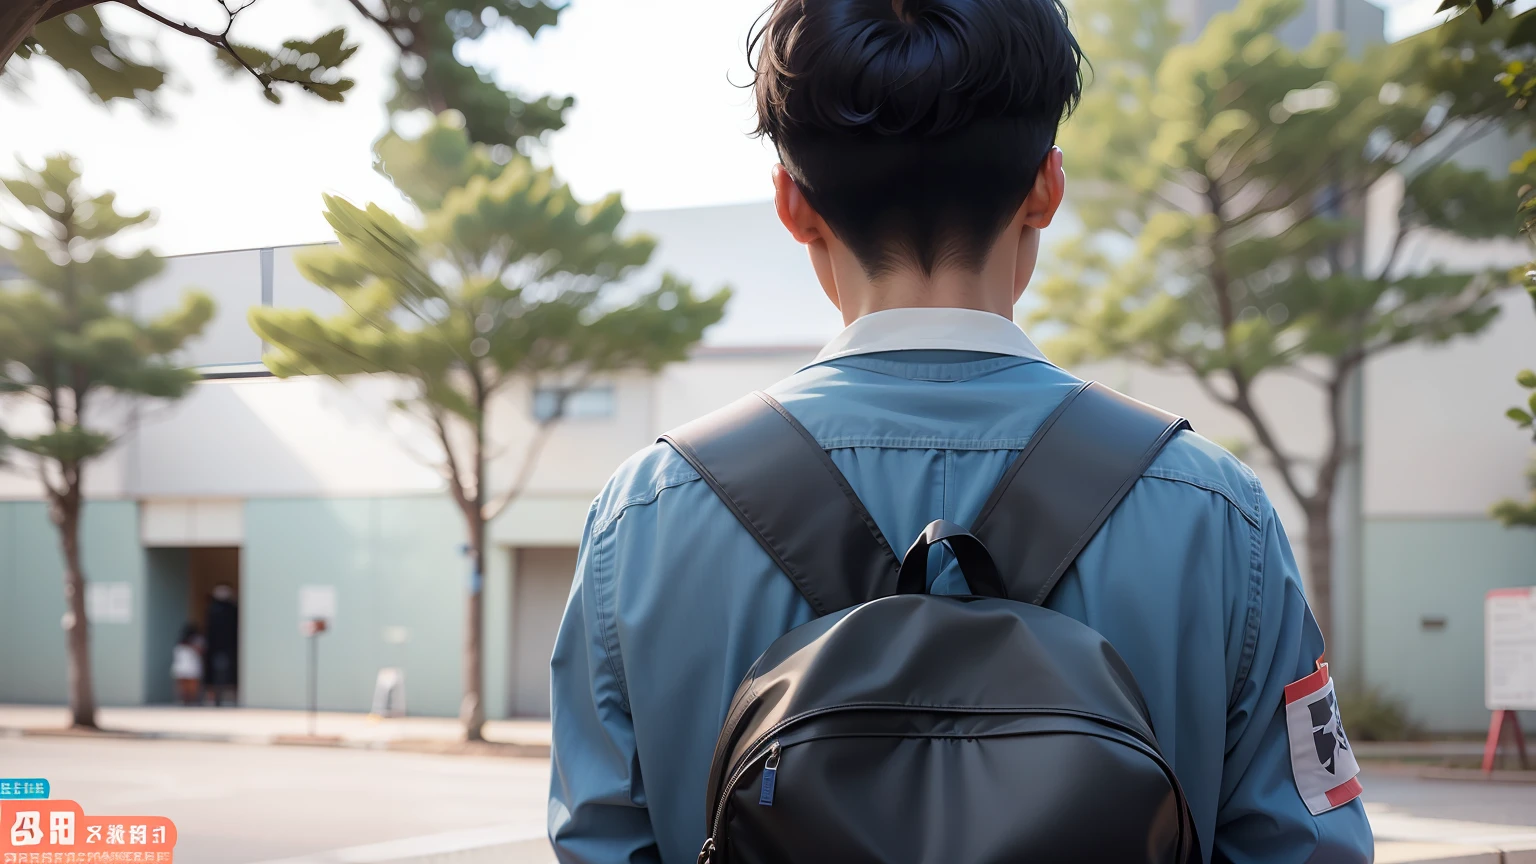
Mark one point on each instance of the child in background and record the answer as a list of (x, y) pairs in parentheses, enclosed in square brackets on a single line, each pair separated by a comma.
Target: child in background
[(187, 665)]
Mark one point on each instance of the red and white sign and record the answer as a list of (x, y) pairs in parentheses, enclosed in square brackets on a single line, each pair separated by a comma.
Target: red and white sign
[(1321, 758), (1509, 644)]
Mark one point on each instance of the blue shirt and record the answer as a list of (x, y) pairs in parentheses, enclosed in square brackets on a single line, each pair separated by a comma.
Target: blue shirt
[(1191, 579)]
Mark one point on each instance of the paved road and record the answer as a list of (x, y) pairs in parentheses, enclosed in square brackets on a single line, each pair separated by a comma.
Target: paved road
[(1496, 803), (237, 804)]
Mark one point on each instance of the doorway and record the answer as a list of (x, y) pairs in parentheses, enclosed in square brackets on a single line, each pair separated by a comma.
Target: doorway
[(181, 584), (541, 584)]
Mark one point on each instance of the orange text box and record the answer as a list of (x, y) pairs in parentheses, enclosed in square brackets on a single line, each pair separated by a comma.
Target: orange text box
[(58, 832)]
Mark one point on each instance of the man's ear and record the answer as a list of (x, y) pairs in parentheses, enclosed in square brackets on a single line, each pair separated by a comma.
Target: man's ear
[(1045, 196), (803, 223)]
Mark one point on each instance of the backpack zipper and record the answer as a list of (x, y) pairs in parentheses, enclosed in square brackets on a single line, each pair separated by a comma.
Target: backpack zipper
[(770, 775), (707, 853)]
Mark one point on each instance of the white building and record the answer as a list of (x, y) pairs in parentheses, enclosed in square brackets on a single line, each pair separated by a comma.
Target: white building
[(275, 486)]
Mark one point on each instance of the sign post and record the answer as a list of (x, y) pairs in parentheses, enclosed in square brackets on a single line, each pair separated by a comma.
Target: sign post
[(1509, 643), (313, 628), (317, 612)]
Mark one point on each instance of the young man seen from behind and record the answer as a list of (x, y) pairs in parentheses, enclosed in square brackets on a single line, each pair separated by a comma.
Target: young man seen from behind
[(919, 168)]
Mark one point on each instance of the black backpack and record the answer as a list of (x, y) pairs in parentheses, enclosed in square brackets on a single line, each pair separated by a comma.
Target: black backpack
[(900, 726)]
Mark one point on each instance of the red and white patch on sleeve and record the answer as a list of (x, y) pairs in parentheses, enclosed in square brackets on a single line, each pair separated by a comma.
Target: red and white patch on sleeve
[(1321, 758)]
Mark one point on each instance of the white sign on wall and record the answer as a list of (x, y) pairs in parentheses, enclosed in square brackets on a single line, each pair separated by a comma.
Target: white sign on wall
[(109, 602), (317, 601), (1509, 634)]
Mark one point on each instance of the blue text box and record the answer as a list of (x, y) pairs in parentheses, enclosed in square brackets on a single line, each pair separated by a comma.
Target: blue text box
[(25, 787)]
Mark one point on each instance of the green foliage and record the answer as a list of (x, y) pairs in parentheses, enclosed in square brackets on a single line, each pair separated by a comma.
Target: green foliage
[(312, 65), (1211, 243), (503, 277), (1518, 514), (1488, 9), (1372, 715), (97, 58), (431, 75), (1513, 513), (65, 339), (1222, 185), (1484, 7), (101, 62)]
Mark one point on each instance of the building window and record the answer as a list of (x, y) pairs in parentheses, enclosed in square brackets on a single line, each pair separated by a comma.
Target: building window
[(588, 403)]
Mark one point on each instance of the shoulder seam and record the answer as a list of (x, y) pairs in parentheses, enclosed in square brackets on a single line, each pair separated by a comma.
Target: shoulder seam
[(1174, 476), (646, 496)]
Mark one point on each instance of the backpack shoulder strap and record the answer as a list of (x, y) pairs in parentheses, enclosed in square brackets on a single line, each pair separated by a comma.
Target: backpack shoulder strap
[(783, 488), (1058, 492)]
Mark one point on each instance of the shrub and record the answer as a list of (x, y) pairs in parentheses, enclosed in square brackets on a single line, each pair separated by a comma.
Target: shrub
[(1372, 715)]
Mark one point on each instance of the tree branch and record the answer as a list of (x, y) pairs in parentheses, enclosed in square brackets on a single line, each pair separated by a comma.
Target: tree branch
[(455, 482), (1333, 459), (1241, 400), (54, 493), (217, 40), (1304, 374), (536, 446), (525, 470), (1474, 131), (383, 23), (1283, 462), (1397, 245), (368, 13), (1288, 195), (64, 7), (1446, 308)]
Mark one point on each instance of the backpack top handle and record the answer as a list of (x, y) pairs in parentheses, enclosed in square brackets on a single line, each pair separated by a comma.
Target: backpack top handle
[(975, 561), (773, 476)]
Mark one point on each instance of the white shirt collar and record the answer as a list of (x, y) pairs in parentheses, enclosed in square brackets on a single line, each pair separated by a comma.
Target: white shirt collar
[(933, 328)]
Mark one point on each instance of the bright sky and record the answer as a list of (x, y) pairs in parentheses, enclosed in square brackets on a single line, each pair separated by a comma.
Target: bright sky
[(657, 117)]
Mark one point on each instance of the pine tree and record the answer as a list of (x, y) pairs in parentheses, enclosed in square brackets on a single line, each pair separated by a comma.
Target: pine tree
[(503, 280), (68, 348), (1225, 187)]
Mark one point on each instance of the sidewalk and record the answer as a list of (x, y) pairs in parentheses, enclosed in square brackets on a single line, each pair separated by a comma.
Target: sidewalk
[(1392, 750), (525, 738), (1401, 838)]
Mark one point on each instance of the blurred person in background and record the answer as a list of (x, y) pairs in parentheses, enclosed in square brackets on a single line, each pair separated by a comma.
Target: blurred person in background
[(187, 665), (220, 672)]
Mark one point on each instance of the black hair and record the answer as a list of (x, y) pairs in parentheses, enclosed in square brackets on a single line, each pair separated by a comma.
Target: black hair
[(916, 128)]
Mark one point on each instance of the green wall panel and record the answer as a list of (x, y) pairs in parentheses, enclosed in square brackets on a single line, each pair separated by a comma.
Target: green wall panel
[(32, 603), (166, 595), (423, 580), (399, 579), (1437, 568), (110, 547)]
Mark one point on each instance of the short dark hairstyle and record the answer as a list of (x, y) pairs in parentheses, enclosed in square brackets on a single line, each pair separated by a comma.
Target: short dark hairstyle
[(916, 128)]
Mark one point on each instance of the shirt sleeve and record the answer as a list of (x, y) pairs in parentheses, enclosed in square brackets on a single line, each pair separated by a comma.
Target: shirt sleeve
[(1262, 818), (597, 810)]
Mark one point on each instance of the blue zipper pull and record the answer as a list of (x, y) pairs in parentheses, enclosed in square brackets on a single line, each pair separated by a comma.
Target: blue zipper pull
[(770, 775)]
